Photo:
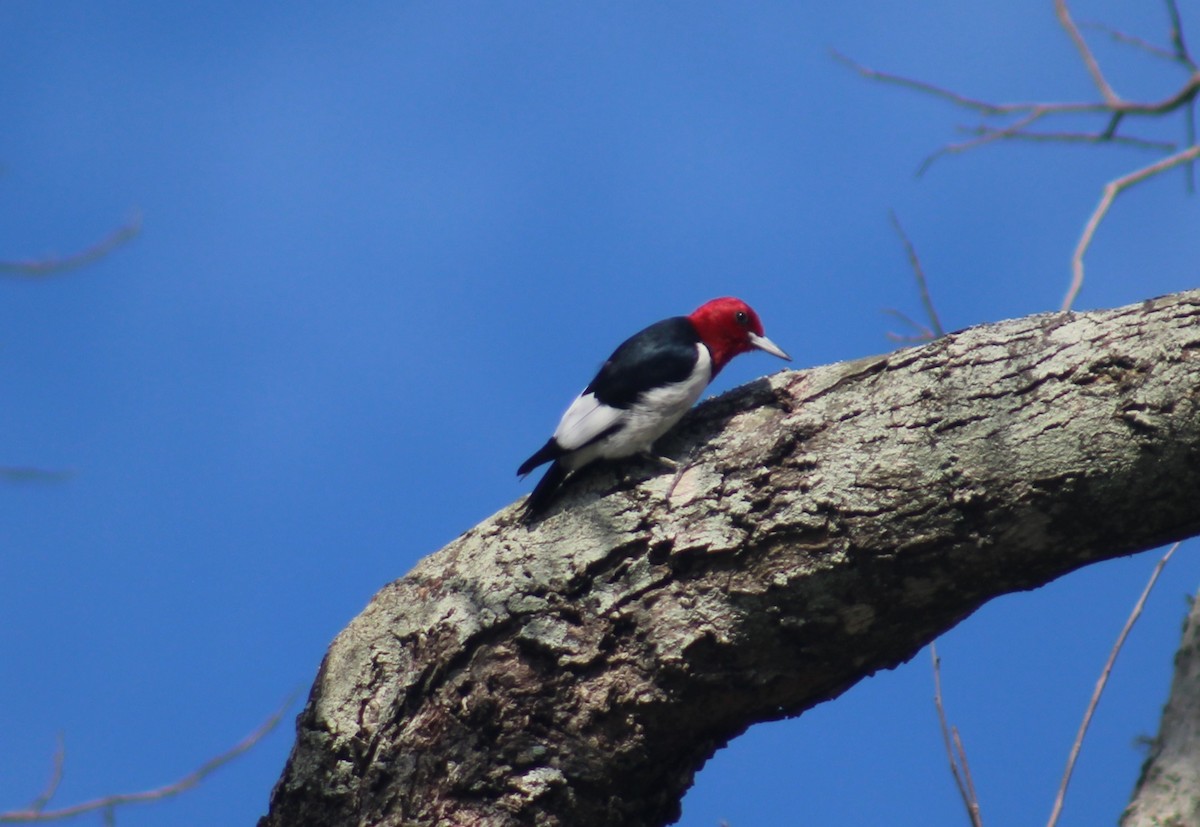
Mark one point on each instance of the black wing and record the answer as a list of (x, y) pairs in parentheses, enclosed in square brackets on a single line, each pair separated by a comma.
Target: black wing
[(662, 354)]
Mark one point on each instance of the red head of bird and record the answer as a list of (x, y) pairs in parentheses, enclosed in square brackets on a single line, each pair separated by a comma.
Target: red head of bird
[(729, 326)]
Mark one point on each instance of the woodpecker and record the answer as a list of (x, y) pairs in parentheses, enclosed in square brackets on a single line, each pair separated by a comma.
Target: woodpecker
[(643, 389)]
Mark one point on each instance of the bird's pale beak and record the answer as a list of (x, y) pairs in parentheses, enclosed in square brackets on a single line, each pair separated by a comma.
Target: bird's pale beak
[(763, 343)]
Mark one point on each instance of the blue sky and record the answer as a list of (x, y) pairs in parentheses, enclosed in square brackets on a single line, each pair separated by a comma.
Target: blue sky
[(384, 244)]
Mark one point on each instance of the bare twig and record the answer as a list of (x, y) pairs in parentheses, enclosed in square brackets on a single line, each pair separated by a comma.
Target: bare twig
[(919, 274), (965, 101), (923, 334), (1184, 57), (13, 473), (1089, 60), (1189, 125), (1025, 115), (1178, 53), (986, 136), (56, 774), (1073, 137), (1132, 40), (1177, 42), (108, 804), (954, 747), (1111, 191), (1101, 683), (961, 751), (53, 265)]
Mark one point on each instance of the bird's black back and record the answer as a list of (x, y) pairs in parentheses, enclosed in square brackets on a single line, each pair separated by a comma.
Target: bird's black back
[(662, 354)]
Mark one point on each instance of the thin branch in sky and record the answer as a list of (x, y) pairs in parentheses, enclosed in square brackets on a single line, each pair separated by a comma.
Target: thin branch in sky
[(108, 804), (1118, 111), (954, 748), (919, 274), (1177, 41), (986, 135), (36, 268), (56, 774), (1067, 137), (1132, 40), (23, 474), (1089, 60), (1185, 58), (1101, 683), (923, 334), (973, 797), (983, 107), (1177, 53), (1111, 191)]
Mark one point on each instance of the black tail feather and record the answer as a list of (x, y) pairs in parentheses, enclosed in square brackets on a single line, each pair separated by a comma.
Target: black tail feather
[(545, 491), (547, 452)]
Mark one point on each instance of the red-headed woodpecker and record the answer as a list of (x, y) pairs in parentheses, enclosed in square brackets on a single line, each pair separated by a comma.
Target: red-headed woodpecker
[(644, 388)]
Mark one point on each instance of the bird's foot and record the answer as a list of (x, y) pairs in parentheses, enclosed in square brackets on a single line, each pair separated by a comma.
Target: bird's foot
[(664, 461), (680, 469)]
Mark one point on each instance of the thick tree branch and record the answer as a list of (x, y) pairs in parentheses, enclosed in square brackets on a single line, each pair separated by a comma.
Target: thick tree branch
[(840, 518)]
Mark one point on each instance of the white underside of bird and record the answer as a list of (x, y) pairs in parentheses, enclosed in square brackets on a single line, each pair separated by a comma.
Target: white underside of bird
[(634, 429)]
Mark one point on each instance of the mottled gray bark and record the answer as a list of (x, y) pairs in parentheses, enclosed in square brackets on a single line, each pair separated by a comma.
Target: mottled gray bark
[(1168, 793), (837, 520)]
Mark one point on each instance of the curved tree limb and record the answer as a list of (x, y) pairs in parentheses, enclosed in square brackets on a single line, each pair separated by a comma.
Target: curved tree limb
[(840, 518)]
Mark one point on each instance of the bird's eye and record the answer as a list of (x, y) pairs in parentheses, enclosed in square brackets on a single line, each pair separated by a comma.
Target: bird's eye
[(741, 318)]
